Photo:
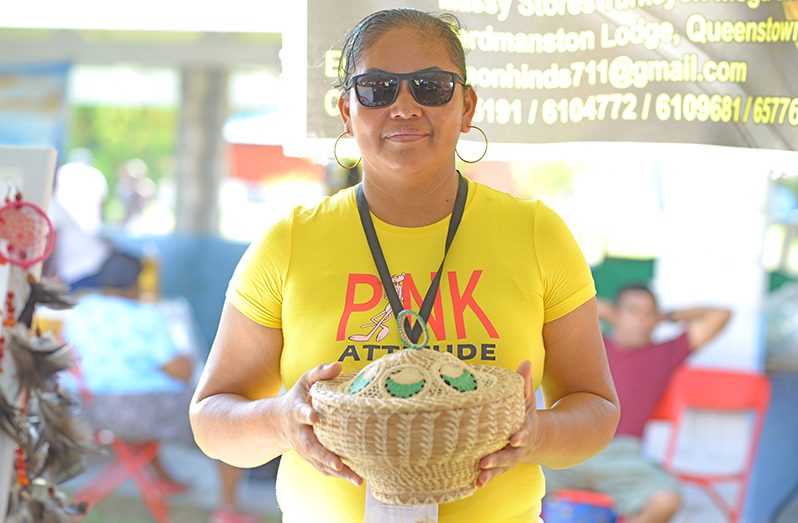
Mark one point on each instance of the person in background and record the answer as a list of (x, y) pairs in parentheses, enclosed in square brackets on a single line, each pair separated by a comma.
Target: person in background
[(140, 380), (294, 312), (83, 257), (121, 339), (641, 369), (135, 190), (76, 215)]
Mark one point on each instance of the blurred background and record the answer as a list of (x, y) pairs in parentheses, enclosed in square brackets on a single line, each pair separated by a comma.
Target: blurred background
[(182, 111)]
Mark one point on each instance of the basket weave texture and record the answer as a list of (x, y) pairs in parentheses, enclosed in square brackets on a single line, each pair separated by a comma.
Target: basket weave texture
[(424, 448)]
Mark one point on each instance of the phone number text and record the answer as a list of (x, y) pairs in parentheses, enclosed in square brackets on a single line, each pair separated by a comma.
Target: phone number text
[(690, 107)]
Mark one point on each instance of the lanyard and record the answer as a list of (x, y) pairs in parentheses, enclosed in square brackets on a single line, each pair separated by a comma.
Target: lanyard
[(382, 266)]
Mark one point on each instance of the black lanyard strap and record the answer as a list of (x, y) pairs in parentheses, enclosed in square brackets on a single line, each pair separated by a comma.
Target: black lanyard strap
[(382, 266)]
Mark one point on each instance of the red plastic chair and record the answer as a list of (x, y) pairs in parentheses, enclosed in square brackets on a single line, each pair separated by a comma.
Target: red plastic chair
[(720, 391), (131, 462), (708, 389)]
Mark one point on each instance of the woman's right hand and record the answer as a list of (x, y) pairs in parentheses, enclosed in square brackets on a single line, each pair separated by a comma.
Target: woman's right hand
[(298, 418)]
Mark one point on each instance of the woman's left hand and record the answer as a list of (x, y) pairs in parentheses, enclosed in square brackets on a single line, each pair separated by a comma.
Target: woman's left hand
[(522, 443)]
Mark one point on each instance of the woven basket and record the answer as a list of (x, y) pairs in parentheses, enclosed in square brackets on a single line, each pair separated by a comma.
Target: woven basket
[(414, 424)]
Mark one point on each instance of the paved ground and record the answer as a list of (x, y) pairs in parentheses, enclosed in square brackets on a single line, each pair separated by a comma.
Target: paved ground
[(194, 506), (187, 464)]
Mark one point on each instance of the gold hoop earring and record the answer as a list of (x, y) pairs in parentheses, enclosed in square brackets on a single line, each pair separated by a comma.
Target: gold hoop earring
[(335, 154), (485, 137)]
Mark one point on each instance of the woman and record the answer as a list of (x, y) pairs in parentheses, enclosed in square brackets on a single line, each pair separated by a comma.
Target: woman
[(308, 293)]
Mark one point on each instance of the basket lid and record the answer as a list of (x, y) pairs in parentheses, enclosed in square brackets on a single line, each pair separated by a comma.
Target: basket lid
[(410, 379)]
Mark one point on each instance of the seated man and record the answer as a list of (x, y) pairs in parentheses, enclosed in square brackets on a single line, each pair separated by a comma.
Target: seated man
[(641, 368), (139, 378)]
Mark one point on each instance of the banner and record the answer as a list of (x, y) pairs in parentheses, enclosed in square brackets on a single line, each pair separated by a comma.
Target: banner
[(32, 104), (722, 72)]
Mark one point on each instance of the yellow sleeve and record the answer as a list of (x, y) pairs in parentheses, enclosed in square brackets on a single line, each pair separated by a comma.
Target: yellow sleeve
[(567, 280), (256, 288)]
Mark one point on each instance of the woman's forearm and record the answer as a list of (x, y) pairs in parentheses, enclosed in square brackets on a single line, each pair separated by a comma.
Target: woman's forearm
[(583, 406), (242, 432), (575, 428)]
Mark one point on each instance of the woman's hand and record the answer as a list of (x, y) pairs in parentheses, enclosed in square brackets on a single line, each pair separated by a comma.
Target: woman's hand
[(297, 425), (522, 443)]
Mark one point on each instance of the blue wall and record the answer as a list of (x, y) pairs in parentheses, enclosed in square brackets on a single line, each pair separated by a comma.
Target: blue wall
[(195, 267), (775, 476)]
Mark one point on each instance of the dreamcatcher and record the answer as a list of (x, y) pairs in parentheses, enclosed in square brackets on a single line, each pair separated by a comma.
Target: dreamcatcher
[(38, 416), (26, 234)]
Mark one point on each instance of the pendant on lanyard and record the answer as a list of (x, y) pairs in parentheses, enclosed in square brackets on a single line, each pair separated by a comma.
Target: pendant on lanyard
[(408, 335)]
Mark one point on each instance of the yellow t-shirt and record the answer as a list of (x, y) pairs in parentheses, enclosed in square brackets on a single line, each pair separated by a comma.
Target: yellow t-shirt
[(512, 267)]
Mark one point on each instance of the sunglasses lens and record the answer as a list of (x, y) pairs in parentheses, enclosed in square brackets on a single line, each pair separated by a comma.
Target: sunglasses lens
[(433, 87), (428, 87), (376, 90)]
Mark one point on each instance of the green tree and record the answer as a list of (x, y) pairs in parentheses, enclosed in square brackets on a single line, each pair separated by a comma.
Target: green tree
[(115, 135)]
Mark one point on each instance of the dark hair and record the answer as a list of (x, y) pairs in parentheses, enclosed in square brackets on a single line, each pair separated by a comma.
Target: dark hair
[(443, 26), (120, 271), (635, 287)]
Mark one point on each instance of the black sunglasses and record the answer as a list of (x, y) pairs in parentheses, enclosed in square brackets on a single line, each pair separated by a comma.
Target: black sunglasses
[(380, 89)]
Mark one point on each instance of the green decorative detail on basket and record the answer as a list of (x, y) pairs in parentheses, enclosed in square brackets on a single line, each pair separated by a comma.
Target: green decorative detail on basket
[(465, 382), (359, 383), (402, 390)]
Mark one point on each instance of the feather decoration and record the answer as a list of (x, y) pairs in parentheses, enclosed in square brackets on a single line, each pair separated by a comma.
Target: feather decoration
[(63, 435), (9, 417), (50, 438), (41, 505), (37, 358), (48, 292)]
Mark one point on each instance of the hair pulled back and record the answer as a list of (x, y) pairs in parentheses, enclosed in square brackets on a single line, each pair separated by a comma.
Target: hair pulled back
[(443, 27)]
